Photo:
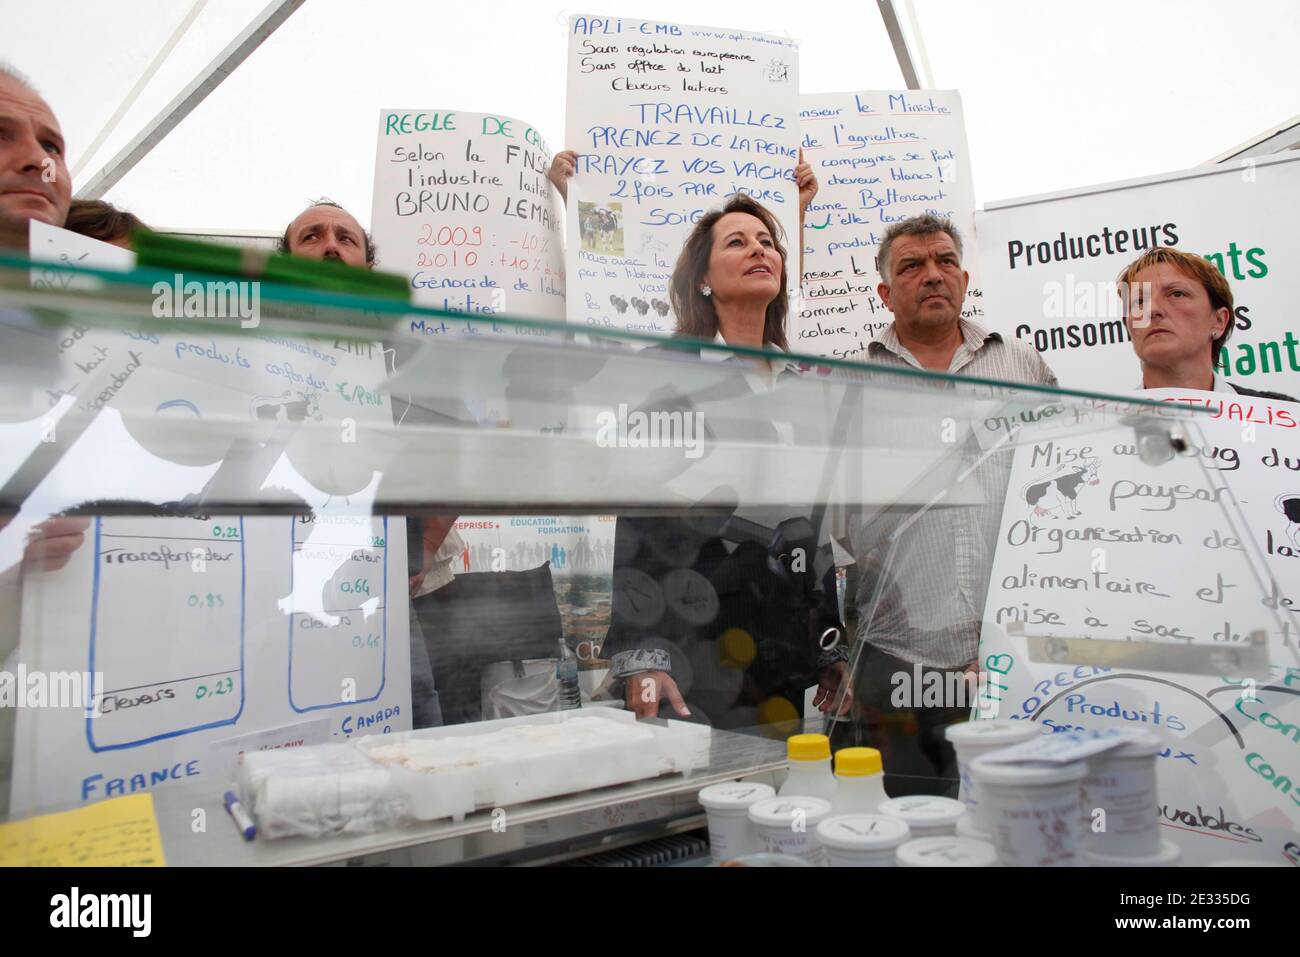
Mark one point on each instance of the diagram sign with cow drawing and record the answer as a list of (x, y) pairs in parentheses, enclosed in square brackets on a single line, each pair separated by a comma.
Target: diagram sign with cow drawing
[(1126, 593), (1056, 494)]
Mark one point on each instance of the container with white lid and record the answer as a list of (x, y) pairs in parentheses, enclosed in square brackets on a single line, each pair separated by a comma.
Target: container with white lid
[(926, 814), (727, 805), (1033, 811), (862, 840), (1122, 783), (788, 825), (810, 767), (1168, 855), (970, 739), (947, 852)]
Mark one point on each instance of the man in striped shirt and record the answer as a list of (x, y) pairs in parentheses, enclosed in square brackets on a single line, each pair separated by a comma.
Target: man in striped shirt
[(922, 592)]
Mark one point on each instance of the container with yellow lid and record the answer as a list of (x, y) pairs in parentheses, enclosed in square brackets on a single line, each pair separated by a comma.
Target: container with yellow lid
[(860, 777), (810, 767)]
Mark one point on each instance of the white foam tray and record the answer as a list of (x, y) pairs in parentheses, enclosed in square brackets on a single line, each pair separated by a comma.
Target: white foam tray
[(453, 792)]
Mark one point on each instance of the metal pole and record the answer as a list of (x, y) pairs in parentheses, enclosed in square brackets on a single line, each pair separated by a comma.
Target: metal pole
[(266, 23), (899, 40)]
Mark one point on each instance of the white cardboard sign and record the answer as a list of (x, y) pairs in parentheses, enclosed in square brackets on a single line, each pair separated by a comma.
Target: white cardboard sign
[(880, 157), (669, 121)]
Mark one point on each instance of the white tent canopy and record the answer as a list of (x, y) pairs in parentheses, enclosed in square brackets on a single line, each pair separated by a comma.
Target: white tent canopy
[(1056, 95)]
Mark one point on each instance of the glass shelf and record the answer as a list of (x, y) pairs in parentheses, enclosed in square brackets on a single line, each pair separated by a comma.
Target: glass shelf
[(238, 510)]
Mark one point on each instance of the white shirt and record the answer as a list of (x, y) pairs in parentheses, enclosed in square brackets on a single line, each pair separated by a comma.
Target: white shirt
[(760, 375)]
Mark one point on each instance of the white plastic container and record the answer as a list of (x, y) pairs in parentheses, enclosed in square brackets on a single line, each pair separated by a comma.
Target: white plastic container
[(727, 805), (970, 739), (859, 781), (788, 825), (1167, 855), (1122, 783), (862, 840), (511, 761), (947, 852), (926, 815), (1033, 811), (810, 768), (966, 827)]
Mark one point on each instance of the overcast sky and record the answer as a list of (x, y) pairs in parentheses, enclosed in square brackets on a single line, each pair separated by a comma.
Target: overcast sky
[(1057, 94)]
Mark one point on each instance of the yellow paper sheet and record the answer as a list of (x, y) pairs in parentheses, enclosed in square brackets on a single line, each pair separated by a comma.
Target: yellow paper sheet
[(122, 832)]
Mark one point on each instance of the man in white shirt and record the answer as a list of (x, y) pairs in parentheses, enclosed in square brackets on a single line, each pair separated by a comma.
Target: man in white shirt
[(921, 598)]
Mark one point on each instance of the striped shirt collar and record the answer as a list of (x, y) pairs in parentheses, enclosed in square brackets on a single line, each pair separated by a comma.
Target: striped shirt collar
[(974, 338)]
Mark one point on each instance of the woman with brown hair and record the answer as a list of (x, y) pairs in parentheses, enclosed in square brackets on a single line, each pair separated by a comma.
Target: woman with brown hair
[(711, 622), (729, 281), (103, 221), (1179, 312), (712, 300)]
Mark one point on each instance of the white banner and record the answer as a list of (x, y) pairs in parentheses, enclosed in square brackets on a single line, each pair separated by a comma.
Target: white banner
[(1049, 267), (463, 207), (201, 630), (1094, 547), (204, 629), (880, 157), (668, 122)]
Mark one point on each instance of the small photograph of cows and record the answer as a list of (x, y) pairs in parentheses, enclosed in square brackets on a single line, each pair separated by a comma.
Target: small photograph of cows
[(601, 227), (1056, 495)]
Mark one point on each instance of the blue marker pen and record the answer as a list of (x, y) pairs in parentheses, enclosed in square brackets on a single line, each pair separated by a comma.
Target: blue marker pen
[(244, 822)]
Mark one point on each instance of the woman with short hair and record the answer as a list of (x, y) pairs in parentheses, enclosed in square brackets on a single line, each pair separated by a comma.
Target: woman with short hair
[(1178, 309)]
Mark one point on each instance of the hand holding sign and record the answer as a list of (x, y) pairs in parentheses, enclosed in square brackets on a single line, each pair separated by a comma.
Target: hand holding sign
[(562, 167), (806, 180)]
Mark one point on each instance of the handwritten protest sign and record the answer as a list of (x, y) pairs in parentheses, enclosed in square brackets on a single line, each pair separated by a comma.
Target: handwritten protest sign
[(463, 207), (880, 157), (51, 244), (668, 121), (1163, 597)]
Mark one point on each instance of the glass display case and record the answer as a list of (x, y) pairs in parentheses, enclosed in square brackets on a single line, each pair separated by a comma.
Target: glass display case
[(360, 527)]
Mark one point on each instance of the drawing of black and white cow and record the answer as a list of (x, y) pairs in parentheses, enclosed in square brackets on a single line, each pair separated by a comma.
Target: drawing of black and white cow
[(1289, 505), (1056, 494)]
